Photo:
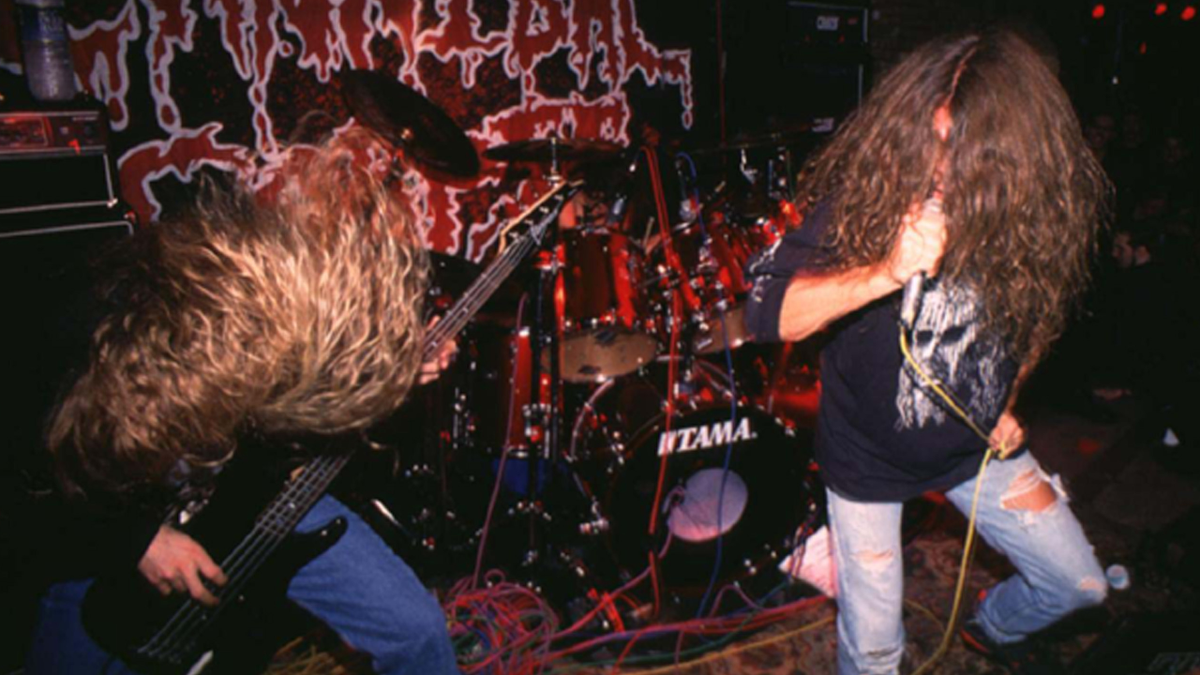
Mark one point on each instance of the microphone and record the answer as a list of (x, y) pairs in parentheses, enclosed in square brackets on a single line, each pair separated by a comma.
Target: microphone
[(914, 288), (910, 304)]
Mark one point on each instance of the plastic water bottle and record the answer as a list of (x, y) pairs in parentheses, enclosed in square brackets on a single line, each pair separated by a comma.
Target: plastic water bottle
[(46, 50), (1118, 577)]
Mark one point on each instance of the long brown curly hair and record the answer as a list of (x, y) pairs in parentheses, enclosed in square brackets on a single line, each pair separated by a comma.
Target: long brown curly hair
[(302, 316), (1023, 196)]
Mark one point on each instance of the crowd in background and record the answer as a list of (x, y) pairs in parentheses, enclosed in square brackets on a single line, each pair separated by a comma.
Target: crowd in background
[(1137, 337)]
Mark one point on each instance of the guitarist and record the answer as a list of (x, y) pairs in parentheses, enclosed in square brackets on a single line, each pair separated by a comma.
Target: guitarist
[(238, 325)]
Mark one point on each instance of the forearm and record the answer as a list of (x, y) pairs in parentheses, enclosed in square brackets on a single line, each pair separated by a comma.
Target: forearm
[(812, 302)]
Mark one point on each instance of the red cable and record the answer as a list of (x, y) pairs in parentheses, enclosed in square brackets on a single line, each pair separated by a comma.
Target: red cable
[(676, 311), (668, 250)]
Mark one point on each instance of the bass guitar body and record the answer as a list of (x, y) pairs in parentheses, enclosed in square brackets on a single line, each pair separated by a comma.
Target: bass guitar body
[(175, 634)]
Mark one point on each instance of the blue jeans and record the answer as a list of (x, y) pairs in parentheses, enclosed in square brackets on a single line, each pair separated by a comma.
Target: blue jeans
[(1057, 572), (359, 588)]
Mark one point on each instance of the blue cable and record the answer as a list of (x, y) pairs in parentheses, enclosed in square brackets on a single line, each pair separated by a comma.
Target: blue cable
[(712, 581)]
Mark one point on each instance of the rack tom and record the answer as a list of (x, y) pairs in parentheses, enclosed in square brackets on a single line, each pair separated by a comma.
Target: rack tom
[(605, 325)]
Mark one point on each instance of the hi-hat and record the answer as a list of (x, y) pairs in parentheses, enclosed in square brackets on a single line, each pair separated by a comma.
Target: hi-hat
[(552, 150), (772, 140), (411, 121)]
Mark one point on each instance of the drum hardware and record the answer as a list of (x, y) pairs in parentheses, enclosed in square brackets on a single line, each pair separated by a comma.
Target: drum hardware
[(597, 525), (779, 178), (590, 422), (750, 174)]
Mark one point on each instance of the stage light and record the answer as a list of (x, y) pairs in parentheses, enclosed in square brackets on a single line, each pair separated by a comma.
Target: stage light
[(1188, 13), (1142, 48), (1098, 11), (1160, 9)]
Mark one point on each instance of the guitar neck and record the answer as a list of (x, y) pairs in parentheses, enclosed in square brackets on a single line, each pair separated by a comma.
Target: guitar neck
[(455, 320), (482, 289), (289, 506)]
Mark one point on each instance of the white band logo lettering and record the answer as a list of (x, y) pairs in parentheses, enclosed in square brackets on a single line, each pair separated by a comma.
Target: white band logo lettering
[(704, 436)]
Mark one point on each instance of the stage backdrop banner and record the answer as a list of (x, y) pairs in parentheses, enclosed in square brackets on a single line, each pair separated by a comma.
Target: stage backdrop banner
[(235, 85)]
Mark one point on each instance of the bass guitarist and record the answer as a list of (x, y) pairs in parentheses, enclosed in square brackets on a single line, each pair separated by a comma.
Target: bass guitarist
[(240, 329)]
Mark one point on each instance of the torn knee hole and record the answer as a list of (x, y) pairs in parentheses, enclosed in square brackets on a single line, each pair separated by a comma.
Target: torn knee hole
[(874, 560), (1029, 492)]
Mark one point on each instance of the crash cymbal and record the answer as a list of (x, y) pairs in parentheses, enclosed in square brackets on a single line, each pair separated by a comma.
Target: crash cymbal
[(552, 149), (411, 121)]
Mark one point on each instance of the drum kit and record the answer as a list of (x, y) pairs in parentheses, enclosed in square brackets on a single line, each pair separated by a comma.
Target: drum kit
[(607, 410)]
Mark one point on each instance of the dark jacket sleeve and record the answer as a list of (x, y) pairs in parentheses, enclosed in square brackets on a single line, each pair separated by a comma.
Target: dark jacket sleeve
[(76, 541), (772, 270)]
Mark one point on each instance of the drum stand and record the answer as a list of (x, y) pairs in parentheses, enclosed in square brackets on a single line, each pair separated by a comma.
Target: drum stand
[(542, 428)]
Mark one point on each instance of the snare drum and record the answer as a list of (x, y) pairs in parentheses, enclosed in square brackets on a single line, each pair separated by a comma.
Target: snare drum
[(606, 328)]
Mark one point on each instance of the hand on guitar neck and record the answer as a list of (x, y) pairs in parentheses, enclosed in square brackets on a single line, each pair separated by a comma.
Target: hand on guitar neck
[(432, 368), (175, 562)]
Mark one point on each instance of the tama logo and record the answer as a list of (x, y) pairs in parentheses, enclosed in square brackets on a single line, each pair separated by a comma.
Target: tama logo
[(704, 436)]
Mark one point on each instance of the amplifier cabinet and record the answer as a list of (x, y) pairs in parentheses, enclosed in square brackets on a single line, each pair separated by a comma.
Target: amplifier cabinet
[(48, 272), (54, 159)]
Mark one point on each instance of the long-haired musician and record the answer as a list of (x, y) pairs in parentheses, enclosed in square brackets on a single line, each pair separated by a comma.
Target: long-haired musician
[(966, 164), (241, 328)]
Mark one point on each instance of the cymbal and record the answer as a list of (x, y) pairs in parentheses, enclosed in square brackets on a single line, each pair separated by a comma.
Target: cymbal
[(411, 121), (772, 140), (550, 149)]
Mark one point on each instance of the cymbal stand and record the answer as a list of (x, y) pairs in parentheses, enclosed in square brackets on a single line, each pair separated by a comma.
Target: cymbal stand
[(748, 172), (542, 417), (554, 176), (780, 186)]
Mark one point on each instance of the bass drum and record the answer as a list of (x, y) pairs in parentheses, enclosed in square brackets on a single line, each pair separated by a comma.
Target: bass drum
[(620, 440)]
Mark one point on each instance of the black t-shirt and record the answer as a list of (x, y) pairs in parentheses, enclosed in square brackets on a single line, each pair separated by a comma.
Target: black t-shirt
[(880, 436)]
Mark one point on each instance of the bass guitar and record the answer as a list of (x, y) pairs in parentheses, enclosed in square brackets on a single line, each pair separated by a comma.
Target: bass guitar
[(176, 634)]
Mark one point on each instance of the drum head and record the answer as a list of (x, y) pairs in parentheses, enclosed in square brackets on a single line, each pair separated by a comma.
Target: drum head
[(604, 353), (753, 508)]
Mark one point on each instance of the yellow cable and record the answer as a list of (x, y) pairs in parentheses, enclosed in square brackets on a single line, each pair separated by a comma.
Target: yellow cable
[(969, 544)]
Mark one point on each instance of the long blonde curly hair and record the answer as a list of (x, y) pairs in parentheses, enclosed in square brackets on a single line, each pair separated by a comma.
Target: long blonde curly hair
[(302, 316), (1024, 197)]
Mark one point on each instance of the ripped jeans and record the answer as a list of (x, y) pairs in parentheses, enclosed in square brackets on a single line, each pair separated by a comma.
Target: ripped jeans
[(1057, 572)]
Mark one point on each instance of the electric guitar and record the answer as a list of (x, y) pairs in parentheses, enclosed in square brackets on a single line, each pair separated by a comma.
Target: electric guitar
[(175, 634)]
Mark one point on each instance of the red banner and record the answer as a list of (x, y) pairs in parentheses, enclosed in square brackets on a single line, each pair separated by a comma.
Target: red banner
[(504, 71)]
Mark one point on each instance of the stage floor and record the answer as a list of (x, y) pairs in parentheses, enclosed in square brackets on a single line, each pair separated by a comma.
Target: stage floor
[(1138, 501)]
